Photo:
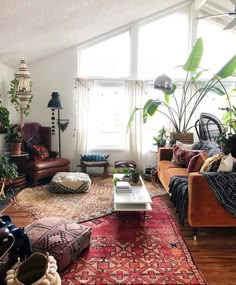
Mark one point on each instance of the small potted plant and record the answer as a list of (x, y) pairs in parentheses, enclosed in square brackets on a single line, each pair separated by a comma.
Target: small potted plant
[(161, 137), (14, 139), (8, 172), (132, 174)]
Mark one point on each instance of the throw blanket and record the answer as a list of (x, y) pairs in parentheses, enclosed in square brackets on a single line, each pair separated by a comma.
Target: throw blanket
[(223, 185), (178, 188)]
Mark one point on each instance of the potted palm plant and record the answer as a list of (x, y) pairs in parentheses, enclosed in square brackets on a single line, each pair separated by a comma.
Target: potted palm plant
[(187, 94)]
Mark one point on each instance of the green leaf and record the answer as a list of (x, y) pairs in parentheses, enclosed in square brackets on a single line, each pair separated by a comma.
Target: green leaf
[(195, 56), (132, 117), (217, 91), (228, 69)]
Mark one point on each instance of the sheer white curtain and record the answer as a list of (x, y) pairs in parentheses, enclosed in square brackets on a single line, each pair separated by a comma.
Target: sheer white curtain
[(83, 88), (135, 91)]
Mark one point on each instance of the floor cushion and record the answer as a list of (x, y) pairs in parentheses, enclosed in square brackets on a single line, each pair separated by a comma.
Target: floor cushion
[(61, 238), (70, 182)]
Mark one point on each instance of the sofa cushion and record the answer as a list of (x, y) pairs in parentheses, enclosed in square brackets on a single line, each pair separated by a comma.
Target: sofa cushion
[(211, 147), (184, 145), (61, 238), (196, 162), (181, 156), (94, 157), (222, 164), (206, 166), (39, 152), (47, 163)]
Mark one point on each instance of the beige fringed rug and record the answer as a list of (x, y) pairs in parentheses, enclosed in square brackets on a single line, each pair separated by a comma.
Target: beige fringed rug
[(98, 202)]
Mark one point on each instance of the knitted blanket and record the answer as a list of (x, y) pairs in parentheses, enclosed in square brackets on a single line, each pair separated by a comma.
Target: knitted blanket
[(223, 185), (178, 188)]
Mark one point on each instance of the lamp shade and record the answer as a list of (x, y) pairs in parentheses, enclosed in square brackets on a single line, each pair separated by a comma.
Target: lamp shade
[(163, 83), (55, 102)]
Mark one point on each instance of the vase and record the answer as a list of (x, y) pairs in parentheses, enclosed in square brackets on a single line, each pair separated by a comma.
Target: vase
[(15, 148), (182, 137)]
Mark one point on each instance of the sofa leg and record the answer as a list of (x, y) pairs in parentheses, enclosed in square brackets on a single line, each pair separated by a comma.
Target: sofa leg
[(194, 233)]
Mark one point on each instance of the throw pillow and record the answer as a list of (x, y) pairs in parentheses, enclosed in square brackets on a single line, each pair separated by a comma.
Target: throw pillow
[(94, 157), (184, 145), (182, 157), (226, 163), (211, 147), (209, 161), (196, 162), (39, 152), (29, 143), (61, 238)]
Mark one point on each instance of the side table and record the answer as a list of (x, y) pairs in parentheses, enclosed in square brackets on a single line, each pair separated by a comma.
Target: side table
[(20, 161)]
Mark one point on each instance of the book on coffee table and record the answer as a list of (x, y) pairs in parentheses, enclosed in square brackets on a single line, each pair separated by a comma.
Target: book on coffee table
[(123, 186)]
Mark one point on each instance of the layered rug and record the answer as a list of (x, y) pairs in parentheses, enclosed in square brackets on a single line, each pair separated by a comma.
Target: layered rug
[(125, 249), (98, 202)]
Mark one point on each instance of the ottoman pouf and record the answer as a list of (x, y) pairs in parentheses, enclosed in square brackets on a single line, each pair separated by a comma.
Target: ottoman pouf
[(61, 238), (70, 182)]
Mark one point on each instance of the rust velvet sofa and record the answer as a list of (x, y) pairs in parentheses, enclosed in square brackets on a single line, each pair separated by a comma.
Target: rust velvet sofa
[(204, 210)]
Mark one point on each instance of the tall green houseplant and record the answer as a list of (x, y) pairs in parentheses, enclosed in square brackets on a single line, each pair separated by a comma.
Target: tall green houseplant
[(187, 94)]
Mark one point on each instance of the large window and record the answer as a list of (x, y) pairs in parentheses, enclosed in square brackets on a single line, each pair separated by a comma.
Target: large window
[(163, 44), (157, 47), (109, 58), (108, 115)]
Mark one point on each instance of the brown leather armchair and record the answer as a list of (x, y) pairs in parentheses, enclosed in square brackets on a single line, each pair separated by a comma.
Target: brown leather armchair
[(34, 133)]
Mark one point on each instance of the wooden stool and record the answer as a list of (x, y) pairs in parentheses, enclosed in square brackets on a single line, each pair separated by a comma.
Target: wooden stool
[(85, 164)]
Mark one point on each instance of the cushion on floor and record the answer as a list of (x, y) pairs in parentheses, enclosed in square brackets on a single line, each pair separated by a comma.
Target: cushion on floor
[(70, 182), (61, 238)]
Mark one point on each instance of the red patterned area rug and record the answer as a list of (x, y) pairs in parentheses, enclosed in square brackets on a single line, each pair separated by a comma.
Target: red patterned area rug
[(127, 250)]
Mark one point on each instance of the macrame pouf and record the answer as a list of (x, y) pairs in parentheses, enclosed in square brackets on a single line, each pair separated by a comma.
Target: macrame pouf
[(70, 182)]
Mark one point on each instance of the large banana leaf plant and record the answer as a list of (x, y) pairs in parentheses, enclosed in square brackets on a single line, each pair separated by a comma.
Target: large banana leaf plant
[(193, 91)]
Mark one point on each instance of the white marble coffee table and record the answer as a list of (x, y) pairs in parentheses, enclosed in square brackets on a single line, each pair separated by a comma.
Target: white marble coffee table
[(137, 200)]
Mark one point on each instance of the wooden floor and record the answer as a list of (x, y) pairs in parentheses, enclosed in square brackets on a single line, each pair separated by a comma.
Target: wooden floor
[(214, 251)]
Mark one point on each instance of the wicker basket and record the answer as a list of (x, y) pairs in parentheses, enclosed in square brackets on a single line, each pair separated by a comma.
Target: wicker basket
[(182, 137)]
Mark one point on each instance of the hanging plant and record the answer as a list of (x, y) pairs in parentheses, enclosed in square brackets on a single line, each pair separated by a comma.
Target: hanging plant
[(15, 99)]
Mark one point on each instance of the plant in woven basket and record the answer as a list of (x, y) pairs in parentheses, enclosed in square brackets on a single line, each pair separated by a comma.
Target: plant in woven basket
[(181, 98)]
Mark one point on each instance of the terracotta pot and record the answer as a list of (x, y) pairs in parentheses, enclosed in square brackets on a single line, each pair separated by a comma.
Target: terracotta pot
[(15, 148)]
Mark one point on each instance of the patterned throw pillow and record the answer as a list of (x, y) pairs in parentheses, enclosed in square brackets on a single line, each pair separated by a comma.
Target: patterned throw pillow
[(182, 157), (209, 161), (223, 164), (196, 162), (94, 157), (39, 152), (61, 238)]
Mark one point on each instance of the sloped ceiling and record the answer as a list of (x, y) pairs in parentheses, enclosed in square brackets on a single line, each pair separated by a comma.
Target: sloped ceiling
[(34, 29)]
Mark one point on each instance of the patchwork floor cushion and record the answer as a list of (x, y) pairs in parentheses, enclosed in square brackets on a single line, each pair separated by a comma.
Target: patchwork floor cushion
[(61, 238), (70, 182)]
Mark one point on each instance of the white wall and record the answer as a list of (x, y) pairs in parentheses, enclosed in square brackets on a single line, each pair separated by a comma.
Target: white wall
[(6, 75), (55, 73)]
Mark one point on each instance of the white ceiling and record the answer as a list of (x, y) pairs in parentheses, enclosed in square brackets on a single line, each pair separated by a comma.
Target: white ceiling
[(34, 29)]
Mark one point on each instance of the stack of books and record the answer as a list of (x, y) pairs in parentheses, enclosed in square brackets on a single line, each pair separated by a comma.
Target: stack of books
[(123, 187)]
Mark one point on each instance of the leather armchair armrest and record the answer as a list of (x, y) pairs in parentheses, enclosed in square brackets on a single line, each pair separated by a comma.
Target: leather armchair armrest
[(53, 153), (165, 153)]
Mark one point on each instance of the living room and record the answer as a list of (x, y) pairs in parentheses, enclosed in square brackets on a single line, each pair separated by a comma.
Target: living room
[(83, 47)]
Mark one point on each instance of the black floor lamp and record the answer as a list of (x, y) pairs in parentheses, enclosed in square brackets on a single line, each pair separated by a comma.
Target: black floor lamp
[(55, 103)]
